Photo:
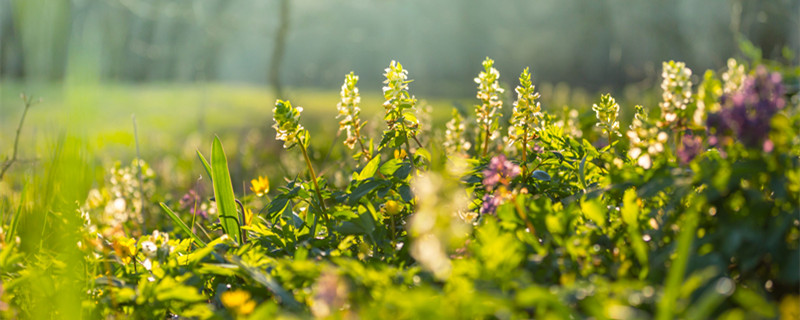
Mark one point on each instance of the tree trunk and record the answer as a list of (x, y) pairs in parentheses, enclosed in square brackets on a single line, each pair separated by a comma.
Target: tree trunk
[(279, 49)]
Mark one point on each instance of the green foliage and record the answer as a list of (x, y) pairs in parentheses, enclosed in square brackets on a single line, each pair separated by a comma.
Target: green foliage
[(223, 192), (634, 230)]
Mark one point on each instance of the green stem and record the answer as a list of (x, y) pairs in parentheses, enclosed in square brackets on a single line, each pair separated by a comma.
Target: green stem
[(486, 142), (524, 155), (316, 186)]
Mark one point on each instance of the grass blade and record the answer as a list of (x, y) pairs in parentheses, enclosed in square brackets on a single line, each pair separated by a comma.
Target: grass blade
[(678, 269), (205, 165), (12, 228), (182, 225), (223, 191)]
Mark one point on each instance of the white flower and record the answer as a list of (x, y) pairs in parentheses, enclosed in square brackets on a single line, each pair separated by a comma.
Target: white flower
[(149, 249)]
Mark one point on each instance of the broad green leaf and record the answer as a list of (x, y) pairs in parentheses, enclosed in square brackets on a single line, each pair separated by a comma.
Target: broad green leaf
[(223, 191), (363, 190), (593, 209), (369, 170), (541, 175), (389, 167), (177, 220), (422, 152), (630, 215)]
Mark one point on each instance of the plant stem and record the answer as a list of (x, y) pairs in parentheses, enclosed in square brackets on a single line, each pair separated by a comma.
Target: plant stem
[(523, 216), (316, 186), (524, 155), (8, 163), (486, 142)]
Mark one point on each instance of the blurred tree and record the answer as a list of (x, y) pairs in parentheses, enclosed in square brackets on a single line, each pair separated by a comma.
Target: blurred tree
[(279, 49)]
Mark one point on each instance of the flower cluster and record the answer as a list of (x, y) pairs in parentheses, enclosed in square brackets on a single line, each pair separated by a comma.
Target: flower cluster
[(733, 78), (746, 114), (488, 112), (677, 92), (606, 112), (399, 103), (194, 203), (122, 199), (646, 141), (287, 124), (454, 141), (349, 110), (155, 247), (526, 118), (690, 147), (496, 179)]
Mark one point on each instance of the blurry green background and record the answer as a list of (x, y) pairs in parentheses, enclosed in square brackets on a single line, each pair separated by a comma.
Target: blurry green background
[(189, 69)]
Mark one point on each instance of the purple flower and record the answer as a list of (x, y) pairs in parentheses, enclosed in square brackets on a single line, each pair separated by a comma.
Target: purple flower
[(690, 147), (500, 171), (490, 204), (746, 114), (191, 200)]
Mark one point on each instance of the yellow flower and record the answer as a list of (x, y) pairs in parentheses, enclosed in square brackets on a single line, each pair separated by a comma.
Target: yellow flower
[(260, 186), (392, 207), (400, 154), (790, 307), (238, 301), (248, 216), (125, 248)]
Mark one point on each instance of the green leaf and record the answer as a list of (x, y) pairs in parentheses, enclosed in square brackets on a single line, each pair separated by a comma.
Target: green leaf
[(205, 165), (630, 215), (422, 152), (369, 170), (582, 172), (541, 175), (182, 225), (593, 209), (267, 281), (389, 167), (223, 191), (405, 193), (677, 270), (363, 190)]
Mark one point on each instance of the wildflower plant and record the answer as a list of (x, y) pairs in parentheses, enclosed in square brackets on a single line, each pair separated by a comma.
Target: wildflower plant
[(698, 234), (733, 77), (606, 112), (454, 140), (746, 115), (488, 112), (349, 112), (676, 94), (647, 142), (526, 117), (496, 179), (287, 124), (400, 108)]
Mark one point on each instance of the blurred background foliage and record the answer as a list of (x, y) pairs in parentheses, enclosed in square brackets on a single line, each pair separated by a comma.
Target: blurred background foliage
[(590, 44)]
